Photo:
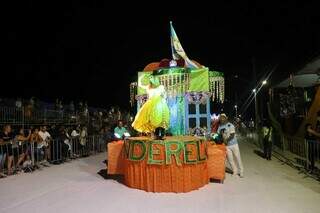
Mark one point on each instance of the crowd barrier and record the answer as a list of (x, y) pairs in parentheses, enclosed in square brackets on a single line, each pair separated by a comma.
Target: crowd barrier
[(31, 155), (301, 153)]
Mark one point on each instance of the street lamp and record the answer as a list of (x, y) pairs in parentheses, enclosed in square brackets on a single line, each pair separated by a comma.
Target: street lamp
[(264, 82), (255, 107), (236, 107)]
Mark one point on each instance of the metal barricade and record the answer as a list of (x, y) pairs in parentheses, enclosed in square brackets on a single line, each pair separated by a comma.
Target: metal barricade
[(312, 154), (14, 155), (11, 115)]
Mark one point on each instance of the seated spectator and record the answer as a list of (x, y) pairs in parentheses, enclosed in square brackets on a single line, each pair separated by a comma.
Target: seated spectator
[(120, 130)]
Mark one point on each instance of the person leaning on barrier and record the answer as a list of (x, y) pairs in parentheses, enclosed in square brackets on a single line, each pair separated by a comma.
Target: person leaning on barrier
[(22, 143), (83, 141), (7, 137), (35, 139), (311, 138), (45, 144), (75, 134), (2, 158)]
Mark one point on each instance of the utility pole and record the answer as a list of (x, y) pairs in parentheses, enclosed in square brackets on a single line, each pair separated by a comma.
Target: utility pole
[(257, 120)]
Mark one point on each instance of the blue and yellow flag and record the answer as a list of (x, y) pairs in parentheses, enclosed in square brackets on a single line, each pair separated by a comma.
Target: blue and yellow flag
[(177, 50)]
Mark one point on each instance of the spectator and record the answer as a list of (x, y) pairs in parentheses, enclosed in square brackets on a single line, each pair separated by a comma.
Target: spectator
[(67, 141), (267, 132), (22, 141), (80, 107), (228, 132), (108, 136), (120, 130), (35, 139), (7, 138), (71, 107), (2, 158), (56, 106), (75, 134), (83, 141), (32, 101), (45, 145), (62, 141), (19, 103)]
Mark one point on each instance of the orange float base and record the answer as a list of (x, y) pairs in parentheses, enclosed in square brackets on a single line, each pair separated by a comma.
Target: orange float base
[(160, 178)]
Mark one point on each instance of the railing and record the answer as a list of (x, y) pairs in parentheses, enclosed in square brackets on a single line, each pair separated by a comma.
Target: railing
[(15, 115), (297, 152)]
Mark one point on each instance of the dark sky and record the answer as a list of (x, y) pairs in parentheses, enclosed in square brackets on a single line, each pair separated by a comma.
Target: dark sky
[(93, 51)]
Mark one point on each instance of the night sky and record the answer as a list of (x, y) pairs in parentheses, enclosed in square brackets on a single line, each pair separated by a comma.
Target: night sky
[(93, 51)]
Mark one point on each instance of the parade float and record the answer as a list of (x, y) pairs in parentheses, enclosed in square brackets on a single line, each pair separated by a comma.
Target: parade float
[(181, 161)]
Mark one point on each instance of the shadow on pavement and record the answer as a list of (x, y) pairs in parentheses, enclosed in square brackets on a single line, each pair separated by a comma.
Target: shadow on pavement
[(104, 173), (259, 153)]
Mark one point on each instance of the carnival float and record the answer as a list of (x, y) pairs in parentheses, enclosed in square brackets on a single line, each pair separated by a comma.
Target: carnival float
[(181, 161)]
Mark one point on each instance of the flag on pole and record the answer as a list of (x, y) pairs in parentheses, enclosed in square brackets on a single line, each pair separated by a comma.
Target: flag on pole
[(177, 50)]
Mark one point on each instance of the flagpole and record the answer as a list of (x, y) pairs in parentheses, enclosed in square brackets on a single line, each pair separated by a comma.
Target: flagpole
[(171, 40)]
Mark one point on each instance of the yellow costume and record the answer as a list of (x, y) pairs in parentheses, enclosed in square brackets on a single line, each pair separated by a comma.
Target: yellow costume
[(155, 112)]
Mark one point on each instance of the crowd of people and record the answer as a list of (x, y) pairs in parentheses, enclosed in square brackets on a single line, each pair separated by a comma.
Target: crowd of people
[(26, 147)]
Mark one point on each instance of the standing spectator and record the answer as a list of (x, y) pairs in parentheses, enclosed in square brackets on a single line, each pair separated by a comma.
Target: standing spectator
[(311, 137), (19, 103), (251, 127), (71, 108), (32, 101), (68, 142), (63, 145), (80, 107), (108, 135), (45, 144), (75, 134), (3, 156), (7, 138), (83, 141), (318, 122), (228, 132), (56, 106), (35, 139), (22, 141), (267, 132)]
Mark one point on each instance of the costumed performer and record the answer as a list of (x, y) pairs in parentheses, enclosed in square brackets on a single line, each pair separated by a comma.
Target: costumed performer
[(153, 116)]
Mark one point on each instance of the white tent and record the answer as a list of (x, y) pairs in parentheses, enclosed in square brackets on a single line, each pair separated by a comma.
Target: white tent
[(311, 68), (308, 76), (303, 80)]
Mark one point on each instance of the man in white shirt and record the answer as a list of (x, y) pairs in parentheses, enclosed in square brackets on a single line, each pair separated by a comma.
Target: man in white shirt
[(75, 134), (46, 138)]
